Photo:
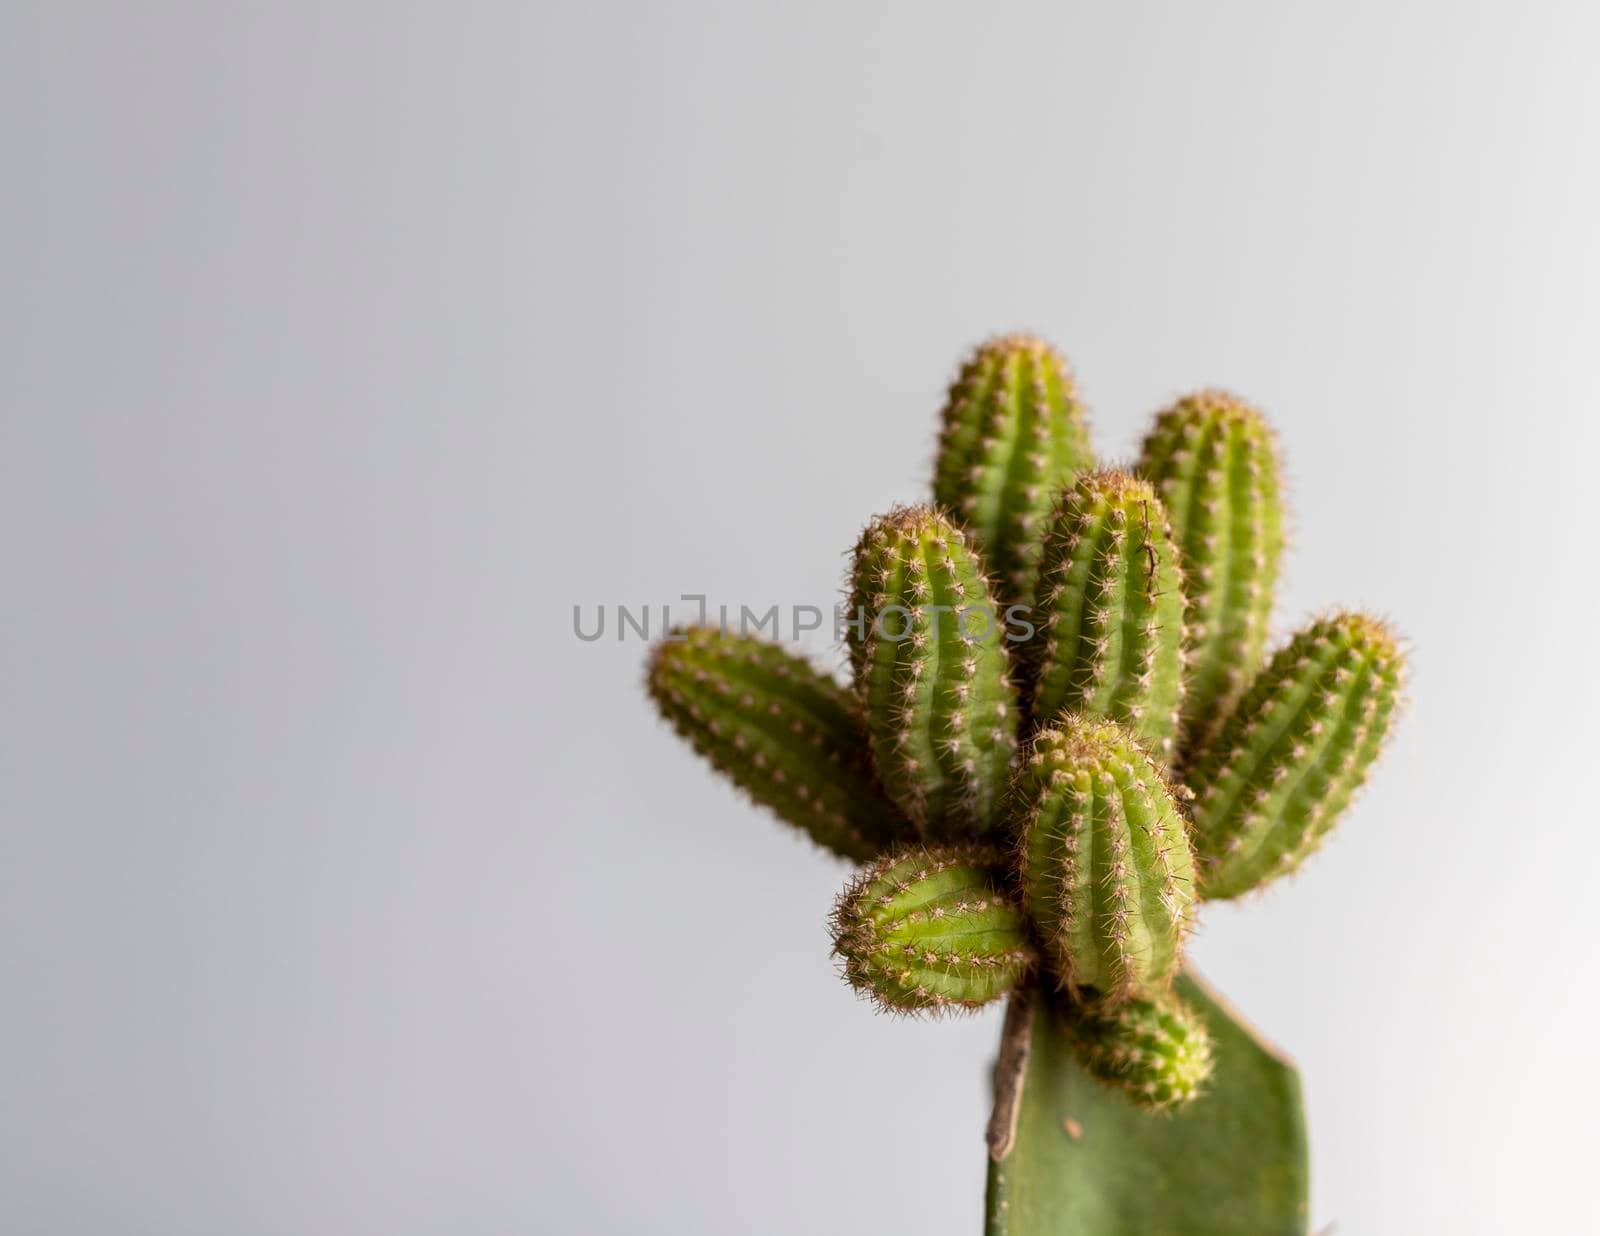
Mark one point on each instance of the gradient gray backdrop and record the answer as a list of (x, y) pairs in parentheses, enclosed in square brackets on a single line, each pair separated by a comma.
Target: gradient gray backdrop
[(345, 347)]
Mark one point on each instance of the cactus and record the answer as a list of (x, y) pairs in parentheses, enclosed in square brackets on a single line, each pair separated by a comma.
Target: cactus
[(1128, 1099), (932, 929), (1275, 778), (786, 734), (1155, 1050), (1013, 435), (932, 671), (1106, 870), (1213, 460), (1111, 607)]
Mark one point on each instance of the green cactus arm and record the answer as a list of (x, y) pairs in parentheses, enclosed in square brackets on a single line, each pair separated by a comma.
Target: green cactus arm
[(1156, 1051), (789, 736), (1214, 461), (1013, 434), (1274, 779), (931, 666), (1083, 1159), (1104, 859), (1111, 609), (932, 930)]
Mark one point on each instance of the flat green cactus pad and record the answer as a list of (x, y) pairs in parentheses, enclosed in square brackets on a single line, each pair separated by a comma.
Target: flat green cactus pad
[(1087, 1162)]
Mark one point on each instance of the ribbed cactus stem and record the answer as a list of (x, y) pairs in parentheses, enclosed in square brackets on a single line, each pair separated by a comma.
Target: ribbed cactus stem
[(1156, 1051), (1111, 610), (1106, 868), (785, 733), (1214, 462), (931, 666), (932, 930), (1013, 435), (1277, 775)]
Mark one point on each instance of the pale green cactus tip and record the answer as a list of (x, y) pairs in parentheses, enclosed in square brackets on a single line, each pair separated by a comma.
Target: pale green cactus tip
[(787, 734), (1111, 611), (1214, 461), (1275, 778), (932, 931), (928, 652), (1106, 867), (1013, 434), (1156, 1051)]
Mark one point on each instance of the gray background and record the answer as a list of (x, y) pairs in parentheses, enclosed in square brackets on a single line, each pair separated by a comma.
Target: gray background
[(346, 347)]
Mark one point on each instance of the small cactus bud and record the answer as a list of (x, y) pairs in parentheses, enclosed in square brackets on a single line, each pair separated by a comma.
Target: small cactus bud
[(787, 734), (1274, 779), (1107, 873), (1110, 609), (930, 665), (1157, 1051), (932, 930), (1013, 435), (1214, 462)]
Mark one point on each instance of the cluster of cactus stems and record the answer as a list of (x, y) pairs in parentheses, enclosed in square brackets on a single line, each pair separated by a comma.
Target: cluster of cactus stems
[(1052, 810)]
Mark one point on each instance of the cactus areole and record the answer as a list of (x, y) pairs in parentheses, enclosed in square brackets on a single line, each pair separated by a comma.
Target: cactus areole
[(1040, 821)]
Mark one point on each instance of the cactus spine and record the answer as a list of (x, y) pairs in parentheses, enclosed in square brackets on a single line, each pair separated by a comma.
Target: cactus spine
[(1275, 778), (1013, 435), (931, 667), (1157, 1051), (932, 930), (1212, 458), (788, 735), (1107, 873), (1111, 605)]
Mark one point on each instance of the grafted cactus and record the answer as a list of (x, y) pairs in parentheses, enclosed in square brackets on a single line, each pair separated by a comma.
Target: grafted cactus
[(931, 667), (1066, 873), (1213, 459), (1013, 435), (1111, 611)]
